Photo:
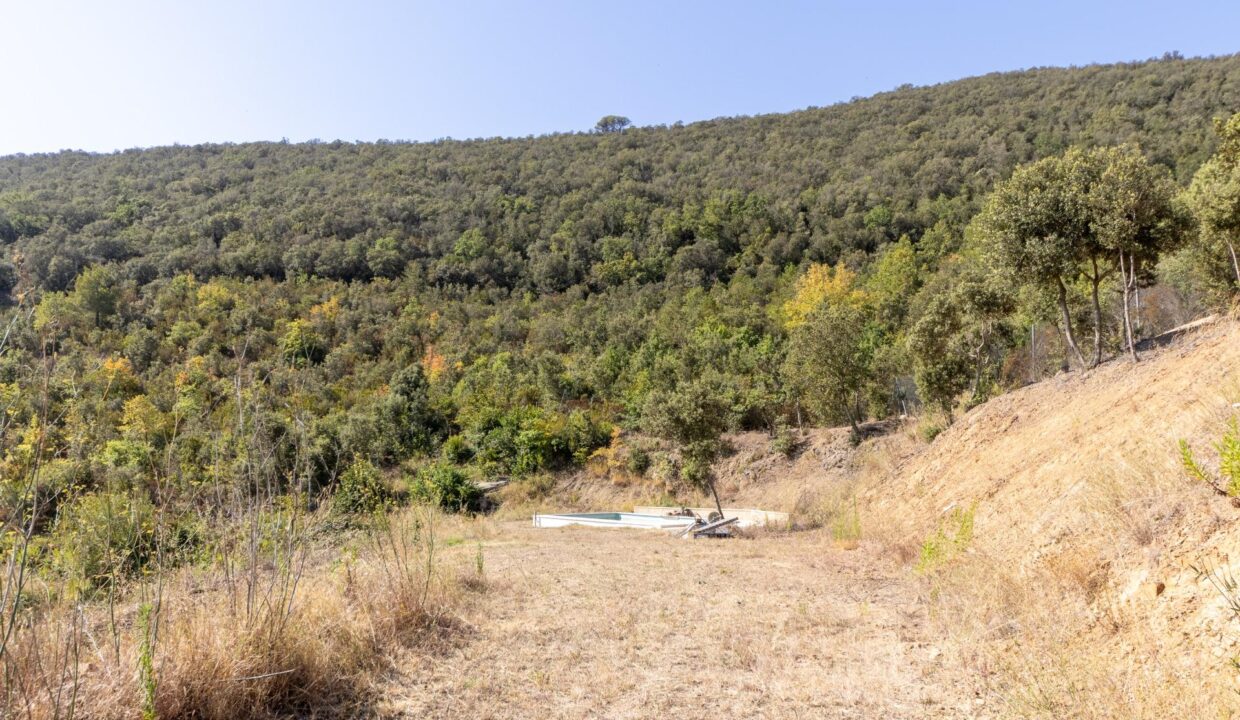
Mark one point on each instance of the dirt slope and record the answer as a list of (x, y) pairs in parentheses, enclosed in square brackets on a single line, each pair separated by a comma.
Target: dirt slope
[(1088, 538)]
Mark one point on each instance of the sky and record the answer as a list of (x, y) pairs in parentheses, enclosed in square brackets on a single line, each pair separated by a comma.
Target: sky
[(102, 76)]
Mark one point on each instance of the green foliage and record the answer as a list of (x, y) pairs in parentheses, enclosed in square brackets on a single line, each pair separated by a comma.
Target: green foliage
[(456, 450), (96, 293), (408, 420), (785, 440), (930, 427), (1228, 448), (361, 490), (612, 123), (959, 335), (637, 460), (102, 537), (1214, 197), (446, 487), (1083, 215), (846, 524), (527, 440), (831, 362), (502, 305), (301, 345), (953, 535)]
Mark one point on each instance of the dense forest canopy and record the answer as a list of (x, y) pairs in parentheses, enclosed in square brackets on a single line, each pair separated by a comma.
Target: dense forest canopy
[(189, 324), (693, 204)]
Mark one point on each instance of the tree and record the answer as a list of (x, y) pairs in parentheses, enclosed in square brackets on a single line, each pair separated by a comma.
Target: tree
[(95, 292), (693, 416), (956, 335), (1134, 215), (1214, 197), (412, 425), (820, 284), (1087, 214), (8, 278), (892, 281), (301, 345), (831, 361), (612, 124), (385, 259)]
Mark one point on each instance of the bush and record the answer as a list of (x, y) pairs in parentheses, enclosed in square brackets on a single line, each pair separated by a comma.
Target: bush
[(930, 427), (101, 537), (1228, 447), (528, 440), (846, 525), (456, 450), (638, 461), (447, 487), (953, 535), (785, 441), (361, 489)]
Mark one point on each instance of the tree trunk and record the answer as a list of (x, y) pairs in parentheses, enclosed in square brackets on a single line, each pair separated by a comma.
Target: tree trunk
[(852, 422), (1095, 280), (1235, 264), (1069, 336), (1128, 278), (1033, 352), (710, 483)]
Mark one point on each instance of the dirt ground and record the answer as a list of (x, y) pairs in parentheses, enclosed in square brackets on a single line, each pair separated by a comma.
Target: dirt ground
[(608, 623)]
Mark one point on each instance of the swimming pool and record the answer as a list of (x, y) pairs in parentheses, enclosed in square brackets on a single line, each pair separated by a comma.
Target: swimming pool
[(615, 519)]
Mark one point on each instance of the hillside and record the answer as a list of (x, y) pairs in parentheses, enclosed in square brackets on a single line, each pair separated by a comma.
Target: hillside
[(257, 378), (698, 202)]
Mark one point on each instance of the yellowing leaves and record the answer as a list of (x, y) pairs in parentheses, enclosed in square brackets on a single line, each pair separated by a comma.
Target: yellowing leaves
[(141, 419), (326, 311), (821, 283), (115, 373), (214, 299), (433, 363)]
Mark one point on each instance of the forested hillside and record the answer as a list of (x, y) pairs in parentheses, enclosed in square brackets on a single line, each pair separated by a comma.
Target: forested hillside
[(694, 204), (190, 325)]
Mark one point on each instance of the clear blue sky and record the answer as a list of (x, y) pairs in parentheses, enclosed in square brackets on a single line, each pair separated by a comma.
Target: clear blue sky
[(123, 73)]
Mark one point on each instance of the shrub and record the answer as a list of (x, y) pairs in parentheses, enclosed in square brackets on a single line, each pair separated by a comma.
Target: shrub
[(1228, 448), (638, 461), (929, 428), (953, 535), (456, 450), (784, 440), (846, 526), (101, 537), (527, 440), (361, 489), (446, 487), (580, 435)]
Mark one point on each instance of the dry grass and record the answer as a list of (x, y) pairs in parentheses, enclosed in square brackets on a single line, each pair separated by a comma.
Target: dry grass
[(584, 622), (1037, 645), (272, 634), (1070, 632)]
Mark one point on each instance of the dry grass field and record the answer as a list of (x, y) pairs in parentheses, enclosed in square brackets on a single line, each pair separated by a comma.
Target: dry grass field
[(587, 622)]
